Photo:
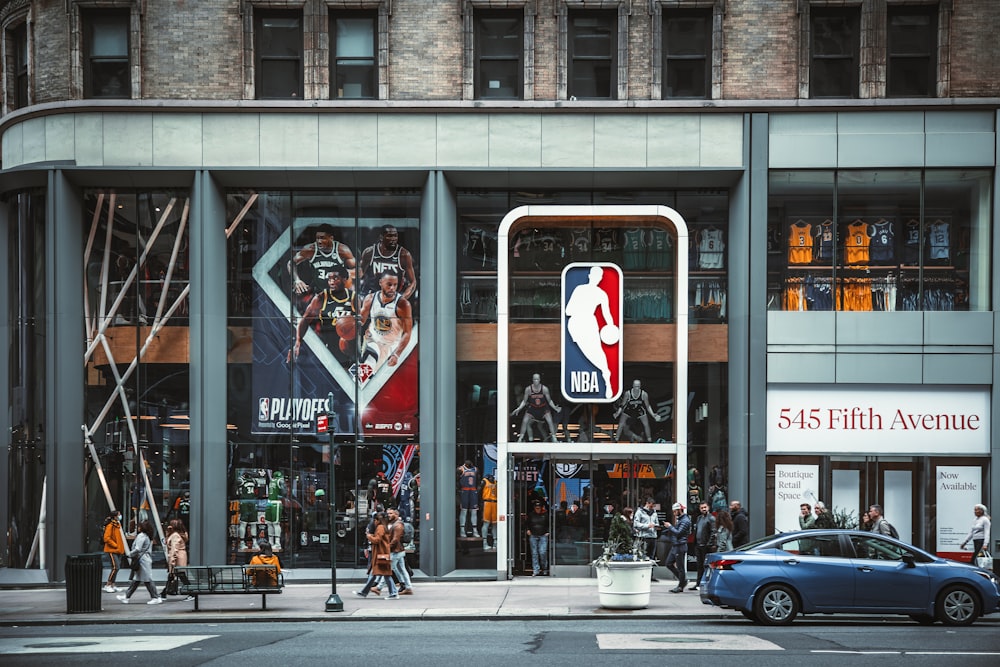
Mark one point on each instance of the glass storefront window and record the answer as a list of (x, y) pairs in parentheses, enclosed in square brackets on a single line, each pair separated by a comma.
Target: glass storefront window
[(323, 315), (137, 392), (538, 254), (886, 240), (27, 256)]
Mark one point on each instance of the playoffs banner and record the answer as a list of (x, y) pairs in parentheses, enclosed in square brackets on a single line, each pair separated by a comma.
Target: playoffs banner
[(331, 319)]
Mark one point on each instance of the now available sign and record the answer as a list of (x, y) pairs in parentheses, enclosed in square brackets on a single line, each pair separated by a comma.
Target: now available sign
[(884, 419)]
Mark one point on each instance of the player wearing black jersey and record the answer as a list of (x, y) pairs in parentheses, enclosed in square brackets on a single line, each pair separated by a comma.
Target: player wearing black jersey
[(320, 256), (538, 406), (387, 256), (634, 404)]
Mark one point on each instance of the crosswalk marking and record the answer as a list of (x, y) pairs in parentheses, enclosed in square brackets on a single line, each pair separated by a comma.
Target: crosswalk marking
[(43, 645), (662, 642)]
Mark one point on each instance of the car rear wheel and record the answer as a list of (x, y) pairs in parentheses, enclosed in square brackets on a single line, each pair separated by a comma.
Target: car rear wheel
[(750, 616), (776, 605), (923, 619), (958, 606)]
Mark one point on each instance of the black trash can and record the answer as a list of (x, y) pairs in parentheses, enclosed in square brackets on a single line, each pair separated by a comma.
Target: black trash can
[(83, 583)]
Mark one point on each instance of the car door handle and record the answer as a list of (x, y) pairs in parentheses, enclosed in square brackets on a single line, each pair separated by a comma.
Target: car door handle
[(792, 561), (865, 569)]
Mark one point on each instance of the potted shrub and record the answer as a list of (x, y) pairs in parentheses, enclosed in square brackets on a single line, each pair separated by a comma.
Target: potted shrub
[(624, 572)]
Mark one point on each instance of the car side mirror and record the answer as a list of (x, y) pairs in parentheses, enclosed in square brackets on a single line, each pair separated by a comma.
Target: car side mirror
[(909, 560)]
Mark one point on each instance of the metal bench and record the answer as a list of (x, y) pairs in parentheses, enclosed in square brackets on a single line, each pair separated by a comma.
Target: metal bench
[(198, 580)]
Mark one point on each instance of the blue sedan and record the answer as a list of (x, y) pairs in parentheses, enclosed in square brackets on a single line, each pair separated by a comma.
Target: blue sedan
[(775, 579)]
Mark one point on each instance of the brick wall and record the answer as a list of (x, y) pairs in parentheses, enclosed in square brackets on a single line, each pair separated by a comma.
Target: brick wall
[(192, 49), (759, 60), (975, 54)]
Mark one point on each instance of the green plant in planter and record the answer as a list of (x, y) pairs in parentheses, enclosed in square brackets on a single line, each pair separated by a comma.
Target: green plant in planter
[(844, 518), (621, 545)]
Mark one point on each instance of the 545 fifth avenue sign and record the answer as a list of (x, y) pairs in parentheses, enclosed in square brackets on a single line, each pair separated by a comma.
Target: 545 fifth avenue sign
[(880, 419)]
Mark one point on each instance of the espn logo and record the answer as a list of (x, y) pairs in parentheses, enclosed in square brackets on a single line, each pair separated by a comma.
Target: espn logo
[(592, 299)]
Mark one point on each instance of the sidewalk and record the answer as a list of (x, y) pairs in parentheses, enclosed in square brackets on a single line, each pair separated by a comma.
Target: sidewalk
[(541, 598)]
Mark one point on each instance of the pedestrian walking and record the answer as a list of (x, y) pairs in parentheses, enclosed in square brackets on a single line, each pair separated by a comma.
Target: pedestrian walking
[(979, 535), (142, 549), (114, 547)]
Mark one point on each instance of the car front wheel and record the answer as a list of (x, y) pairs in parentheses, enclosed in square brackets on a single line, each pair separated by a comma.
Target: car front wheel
[(776, 605), (957, 606)]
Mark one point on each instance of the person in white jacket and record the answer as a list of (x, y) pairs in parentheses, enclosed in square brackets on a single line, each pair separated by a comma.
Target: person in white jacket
[(979, 535)]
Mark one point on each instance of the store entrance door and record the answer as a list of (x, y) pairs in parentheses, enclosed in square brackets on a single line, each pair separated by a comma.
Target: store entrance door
[(857, 483), (579, 496)]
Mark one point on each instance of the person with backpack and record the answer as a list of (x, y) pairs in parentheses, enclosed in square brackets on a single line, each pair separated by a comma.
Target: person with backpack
[(397, 550), (879, 524)]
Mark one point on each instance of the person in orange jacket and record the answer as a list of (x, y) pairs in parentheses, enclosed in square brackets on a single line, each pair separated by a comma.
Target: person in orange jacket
[(114, 546), (266, 556)]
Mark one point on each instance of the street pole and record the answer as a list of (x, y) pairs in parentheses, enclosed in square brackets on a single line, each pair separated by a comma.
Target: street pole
[(333, 603)]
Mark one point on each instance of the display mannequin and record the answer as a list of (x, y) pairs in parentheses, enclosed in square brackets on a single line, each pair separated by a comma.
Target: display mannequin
[(468, 486), (538, 406), (634, 404), (275, 498), (380, 491), (489, 512)]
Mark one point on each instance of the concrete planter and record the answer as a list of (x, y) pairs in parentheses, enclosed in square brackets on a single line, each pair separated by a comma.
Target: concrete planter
[(624, 584)]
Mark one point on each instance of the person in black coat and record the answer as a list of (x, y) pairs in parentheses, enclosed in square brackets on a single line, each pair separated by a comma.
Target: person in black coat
[(741, 524)]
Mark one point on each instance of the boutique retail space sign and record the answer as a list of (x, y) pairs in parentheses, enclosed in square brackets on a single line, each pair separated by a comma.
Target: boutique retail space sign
[(878, 419)]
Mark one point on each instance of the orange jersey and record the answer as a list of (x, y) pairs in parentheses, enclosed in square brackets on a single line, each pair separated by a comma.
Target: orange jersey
[(856, 244), (800, 243)]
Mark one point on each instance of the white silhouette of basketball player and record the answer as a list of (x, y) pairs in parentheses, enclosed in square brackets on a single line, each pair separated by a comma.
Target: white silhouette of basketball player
[(581, 323)]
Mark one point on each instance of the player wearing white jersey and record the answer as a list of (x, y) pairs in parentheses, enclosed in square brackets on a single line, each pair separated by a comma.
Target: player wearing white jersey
[(389, 321)]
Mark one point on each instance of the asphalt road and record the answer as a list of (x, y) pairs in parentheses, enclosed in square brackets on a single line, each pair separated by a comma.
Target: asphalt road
[(470, 643)]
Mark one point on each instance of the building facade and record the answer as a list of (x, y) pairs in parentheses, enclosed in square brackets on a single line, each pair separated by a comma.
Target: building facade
[(243, 215)]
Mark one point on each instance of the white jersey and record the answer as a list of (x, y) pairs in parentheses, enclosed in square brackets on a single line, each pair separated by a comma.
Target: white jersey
[(385, 329), (710, 249)]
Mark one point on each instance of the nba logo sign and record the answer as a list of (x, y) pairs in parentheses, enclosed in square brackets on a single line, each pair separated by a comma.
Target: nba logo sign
[(592, 332), (263, 406)]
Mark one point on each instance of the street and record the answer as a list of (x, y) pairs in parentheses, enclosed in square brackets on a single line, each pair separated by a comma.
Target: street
[(815, 641)]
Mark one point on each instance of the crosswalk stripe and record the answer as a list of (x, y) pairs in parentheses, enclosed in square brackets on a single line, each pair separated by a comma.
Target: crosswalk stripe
[(661, 642), (43, 645)]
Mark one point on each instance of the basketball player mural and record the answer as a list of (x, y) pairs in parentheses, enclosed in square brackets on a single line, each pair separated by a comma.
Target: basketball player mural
[(389, 321), (584, 329), (634, 405), (538, 406), (320, 256), (386, 255), (332, 311)]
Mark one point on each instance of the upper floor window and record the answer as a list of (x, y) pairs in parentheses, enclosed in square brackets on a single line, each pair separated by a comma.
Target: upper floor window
[(834, 52), (687, 49), (17, 58), (592, 49), (499, 44), (353, 56), (106, 71), (911, 51), (278, 55)]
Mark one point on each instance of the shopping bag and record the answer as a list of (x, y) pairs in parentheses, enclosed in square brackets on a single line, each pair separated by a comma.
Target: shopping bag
[(984, 560)]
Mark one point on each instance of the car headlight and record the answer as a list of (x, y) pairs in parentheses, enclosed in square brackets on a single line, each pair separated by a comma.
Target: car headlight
[(989, 576)]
